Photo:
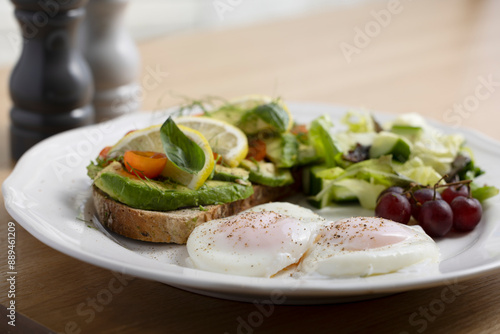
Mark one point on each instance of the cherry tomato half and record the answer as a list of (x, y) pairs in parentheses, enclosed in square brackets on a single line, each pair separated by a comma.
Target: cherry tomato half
[(299, 129), (217, 158), (104, 152), (256, 149), (144, 164)]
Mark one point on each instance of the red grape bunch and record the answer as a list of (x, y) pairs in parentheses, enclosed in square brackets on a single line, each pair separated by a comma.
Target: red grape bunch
[(437, 213)]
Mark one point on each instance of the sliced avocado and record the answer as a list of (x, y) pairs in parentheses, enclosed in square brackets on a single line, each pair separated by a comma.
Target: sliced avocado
[(387, 143), (266, 173), (164, 195), (231, 174), (282, 150)]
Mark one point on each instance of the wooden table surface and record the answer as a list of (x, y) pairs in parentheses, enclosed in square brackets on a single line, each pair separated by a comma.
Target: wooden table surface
[(441, 59)]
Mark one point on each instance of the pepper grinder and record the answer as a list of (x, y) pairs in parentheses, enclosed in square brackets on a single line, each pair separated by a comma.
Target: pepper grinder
[(112, 57), (51, 85)]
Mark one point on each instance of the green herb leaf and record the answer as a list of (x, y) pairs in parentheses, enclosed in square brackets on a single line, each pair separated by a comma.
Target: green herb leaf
[(273, 114), (181, 150)]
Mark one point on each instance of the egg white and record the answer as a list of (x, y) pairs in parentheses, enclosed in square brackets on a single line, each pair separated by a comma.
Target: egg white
[(291, 210), (364, 246), (259, 242)]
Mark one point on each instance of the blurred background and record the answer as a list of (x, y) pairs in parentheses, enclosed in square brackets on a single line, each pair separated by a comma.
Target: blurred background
[(429, 57), (146, 19)]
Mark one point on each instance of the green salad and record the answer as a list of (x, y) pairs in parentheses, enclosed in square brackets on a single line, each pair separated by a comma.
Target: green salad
[(361, 158)]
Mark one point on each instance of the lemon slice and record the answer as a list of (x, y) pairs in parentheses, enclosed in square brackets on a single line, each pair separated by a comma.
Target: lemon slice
[(192, 181), (147, 139), (224, 139), (243, 113)]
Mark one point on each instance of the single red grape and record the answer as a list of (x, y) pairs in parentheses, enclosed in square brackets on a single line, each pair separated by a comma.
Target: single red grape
[(395, 207), (467, 213), (450, 193), (393, 189), (436, 218), (422, 195)]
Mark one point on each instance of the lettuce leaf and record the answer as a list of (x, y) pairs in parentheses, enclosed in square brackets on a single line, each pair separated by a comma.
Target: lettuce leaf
[(322, 141), (484, 192), (358, 121)]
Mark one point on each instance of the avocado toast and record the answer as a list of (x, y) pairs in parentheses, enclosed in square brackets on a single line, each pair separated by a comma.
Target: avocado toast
[(233, 174)]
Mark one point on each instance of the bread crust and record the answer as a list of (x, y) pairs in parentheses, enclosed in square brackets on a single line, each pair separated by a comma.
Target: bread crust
[(174, 226)]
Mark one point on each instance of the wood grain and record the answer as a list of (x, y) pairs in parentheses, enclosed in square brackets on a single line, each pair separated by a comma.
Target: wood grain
[(431, 56)]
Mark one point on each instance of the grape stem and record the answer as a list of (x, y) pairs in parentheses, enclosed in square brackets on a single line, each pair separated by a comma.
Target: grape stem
[(463, 182), (437, 185)]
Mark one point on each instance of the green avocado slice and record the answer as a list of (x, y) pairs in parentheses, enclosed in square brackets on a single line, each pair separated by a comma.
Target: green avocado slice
[(267, 174), (164, 195)]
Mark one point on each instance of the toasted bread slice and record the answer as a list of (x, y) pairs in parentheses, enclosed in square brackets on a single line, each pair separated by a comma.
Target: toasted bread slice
[(175, 226)]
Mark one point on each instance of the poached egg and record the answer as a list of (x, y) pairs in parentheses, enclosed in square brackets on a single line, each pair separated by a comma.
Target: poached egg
[(277, 238)]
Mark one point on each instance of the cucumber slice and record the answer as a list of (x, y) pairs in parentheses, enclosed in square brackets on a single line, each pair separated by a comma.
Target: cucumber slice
[(365, 192), (306, 155), (312, 184), (332, 193), (318, 181), (342, 194), (387, 143)]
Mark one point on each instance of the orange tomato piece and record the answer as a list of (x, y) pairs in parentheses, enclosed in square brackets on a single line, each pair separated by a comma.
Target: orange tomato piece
[(144, 164), (218, 158), (299, 129), (256, 149)]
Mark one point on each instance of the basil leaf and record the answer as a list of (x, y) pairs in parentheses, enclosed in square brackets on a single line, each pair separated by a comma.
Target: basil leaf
[(273, 114), (179, 149)]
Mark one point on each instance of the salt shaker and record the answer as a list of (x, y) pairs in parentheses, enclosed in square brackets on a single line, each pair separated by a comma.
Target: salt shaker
[(51, 85), (112, 57)]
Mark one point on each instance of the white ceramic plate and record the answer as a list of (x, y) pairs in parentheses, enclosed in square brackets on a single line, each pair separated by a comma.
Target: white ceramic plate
[(48, 193)]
